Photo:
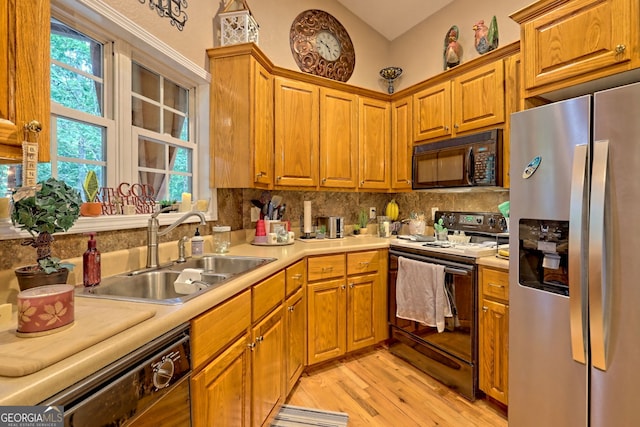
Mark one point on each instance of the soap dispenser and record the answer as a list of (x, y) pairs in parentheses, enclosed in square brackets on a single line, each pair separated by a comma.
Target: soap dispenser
[(197, 244), (91, 263)]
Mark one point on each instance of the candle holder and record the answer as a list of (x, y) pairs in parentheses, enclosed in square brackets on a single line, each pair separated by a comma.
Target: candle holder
[(390, 74)]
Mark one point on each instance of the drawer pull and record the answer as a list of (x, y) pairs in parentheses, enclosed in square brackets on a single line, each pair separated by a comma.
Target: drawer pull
[(297, 276), (495, 285), (364, 263), (327, 269)]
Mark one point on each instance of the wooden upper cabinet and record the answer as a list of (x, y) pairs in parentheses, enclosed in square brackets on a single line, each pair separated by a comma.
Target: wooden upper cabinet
[(241, 121), (24, 76), (338, 139), (296, 133), (478, 98), (374, 147), (432, 112), (570, 42), (471, 100), (401, 143)]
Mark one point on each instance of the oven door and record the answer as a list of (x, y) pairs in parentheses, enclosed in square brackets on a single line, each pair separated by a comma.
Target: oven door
[(460, 331)]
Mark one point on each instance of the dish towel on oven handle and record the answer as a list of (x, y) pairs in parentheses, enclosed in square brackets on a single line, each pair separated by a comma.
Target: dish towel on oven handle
[(420, 293)]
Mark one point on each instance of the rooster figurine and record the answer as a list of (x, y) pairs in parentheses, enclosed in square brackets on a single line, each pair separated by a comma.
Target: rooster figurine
[(452, 49), (486, 39)]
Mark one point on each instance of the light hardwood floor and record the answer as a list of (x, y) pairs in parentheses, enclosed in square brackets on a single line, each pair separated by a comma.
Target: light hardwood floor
[(379, 389)]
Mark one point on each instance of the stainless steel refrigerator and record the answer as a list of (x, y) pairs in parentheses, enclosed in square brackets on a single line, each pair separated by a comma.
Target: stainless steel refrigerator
[(574, 269)]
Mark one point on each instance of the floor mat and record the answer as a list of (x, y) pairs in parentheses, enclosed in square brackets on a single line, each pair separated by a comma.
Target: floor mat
[(296, 416)]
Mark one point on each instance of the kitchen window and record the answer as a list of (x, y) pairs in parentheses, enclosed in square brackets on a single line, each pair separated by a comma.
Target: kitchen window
[(126, 105)]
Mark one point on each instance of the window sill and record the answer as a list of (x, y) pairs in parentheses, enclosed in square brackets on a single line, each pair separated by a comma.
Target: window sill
[(101, 223)]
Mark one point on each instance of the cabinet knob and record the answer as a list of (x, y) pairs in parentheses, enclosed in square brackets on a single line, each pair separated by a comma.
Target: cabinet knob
[(259, 339), (279, 178), (408, 181), (620, 48), (324, 180), (485, 308), (446, 128), (260, 174), (455, 126), (361, 183), (291, 308), (351, 285), (251, 346), (343, 287)]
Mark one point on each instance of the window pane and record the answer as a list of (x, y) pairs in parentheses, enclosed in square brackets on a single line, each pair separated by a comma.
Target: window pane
[(151, 154), (176, 97), (145, 83), (75, 91), (80, 140), (74, 173), (145, 115), (176, 125), (75, 49), (182, 160), (179, 184)]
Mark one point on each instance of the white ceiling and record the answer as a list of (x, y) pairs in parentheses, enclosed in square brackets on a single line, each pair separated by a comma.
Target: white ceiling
[(392, 18)]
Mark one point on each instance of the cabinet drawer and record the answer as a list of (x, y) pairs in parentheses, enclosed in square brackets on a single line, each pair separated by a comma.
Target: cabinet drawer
[(495, 283), (267, 294), (213, 330), (325, 267), (362, 262), (295, 277)]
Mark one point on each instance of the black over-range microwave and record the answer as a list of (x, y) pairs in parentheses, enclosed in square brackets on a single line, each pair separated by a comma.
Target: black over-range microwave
[(467, 161)]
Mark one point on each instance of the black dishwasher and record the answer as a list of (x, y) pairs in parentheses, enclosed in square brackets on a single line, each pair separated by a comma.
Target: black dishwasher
[(149, 386)]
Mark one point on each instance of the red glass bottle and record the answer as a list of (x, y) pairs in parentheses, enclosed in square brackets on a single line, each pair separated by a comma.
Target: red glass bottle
[(91, 264)]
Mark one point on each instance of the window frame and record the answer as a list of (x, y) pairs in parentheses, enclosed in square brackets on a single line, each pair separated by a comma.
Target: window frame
[(132, 43)]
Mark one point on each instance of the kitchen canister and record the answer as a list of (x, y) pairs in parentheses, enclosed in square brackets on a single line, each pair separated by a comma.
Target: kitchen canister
[(44, 310), (221, 238)]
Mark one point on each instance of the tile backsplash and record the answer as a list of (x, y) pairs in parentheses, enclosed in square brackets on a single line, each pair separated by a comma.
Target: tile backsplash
[(234, 209)]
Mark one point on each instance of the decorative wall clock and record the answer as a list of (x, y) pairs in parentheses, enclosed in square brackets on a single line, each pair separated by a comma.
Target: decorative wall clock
[(321, 45)]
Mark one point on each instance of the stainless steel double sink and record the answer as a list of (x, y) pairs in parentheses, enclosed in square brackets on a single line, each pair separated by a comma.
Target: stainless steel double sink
[(159, 286)]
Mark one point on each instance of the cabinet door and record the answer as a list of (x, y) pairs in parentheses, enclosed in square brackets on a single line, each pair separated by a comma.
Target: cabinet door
[(374, 135), (268, 367), (296, 327), (338, 139), (220, 392), (241, 140), (432, 112), (479, 97), (262, 128), (361, 311), (586, 38), (327, 320), (24, 75), (296, 133), (401, 143), (494, 346)]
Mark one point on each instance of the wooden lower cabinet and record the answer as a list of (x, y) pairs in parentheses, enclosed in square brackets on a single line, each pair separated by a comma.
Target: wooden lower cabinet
[(267, 376), (220, 393), (345, 312), (494, 333)]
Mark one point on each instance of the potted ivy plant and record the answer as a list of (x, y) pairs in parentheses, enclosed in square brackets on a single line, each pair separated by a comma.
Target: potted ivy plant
[(91, 207), (51, 206)]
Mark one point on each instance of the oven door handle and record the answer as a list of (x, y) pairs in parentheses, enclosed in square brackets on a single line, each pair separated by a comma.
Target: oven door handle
[(457, 271)]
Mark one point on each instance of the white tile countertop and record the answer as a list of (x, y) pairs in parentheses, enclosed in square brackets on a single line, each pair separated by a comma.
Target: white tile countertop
[(36, 387)]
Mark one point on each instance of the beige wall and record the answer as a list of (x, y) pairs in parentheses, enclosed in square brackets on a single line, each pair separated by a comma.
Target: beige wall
[(418, 51)]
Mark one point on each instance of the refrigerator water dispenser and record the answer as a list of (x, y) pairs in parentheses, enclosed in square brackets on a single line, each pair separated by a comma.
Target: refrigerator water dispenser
[(543, 255)]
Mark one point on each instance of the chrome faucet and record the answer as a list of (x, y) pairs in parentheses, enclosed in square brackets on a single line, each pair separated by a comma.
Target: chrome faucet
[(153, 259)]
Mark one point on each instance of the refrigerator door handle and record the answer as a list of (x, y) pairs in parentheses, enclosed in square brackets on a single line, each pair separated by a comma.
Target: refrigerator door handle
[(577, 224), (598, 257)]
